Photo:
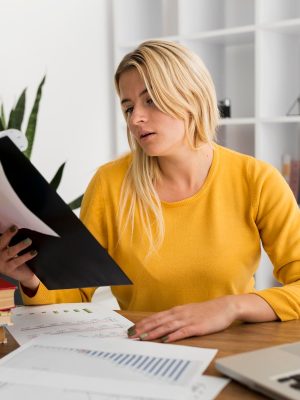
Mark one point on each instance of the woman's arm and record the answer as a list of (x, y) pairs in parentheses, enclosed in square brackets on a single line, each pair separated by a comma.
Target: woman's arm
[(199, 319)]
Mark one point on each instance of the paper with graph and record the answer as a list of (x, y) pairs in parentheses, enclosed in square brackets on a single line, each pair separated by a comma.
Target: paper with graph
[(206, 388), (109, 369), (81, 319)]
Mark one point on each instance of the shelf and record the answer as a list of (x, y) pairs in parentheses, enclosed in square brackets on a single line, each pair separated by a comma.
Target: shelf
[(127, 46), (210, 15), (236, 121), (271, 11), (232, 36), (252, 51), (290, 26), (288, 119)]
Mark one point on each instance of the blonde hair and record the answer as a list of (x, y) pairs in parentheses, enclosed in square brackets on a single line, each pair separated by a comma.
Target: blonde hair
[(181, 86)]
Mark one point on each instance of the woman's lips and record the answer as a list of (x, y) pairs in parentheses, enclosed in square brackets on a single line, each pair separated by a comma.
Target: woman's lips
[(146, 134)]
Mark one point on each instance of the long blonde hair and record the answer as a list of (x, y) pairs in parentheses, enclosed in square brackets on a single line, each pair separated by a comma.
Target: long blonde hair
[(181, 86)]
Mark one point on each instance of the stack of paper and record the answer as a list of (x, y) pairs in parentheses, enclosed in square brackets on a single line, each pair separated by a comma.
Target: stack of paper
[(80, 319), (66, 360), (73, 367)]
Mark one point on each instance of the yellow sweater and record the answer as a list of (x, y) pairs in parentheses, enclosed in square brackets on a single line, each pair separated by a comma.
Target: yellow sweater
[(212, 240)]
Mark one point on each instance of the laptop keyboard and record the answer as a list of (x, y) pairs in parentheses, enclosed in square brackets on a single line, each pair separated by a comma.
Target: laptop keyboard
[(293, 380)]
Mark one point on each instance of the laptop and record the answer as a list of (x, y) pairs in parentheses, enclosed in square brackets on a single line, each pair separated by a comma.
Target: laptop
[(274, 371)]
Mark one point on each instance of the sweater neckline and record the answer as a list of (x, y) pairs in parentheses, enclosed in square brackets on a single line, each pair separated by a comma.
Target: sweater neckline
[(202, 191)]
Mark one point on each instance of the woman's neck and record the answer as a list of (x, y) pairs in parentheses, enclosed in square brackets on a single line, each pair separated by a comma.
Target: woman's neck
[(183, 175)]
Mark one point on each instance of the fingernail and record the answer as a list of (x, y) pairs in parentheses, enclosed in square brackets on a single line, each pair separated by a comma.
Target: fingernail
[(131, 331), (13, 228), (27, 241), (143, 336), (165, 339), (33, 253)]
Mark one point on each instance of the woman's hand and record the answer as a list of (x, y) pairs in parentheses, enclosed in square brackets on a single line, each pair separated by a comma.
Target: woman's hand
[(199, 319), (180, 322), (13, 265)]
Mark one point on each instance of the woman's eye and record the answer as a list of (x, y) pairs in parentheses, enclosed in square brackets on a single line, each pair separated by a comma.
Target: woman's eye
[(128, 110), (150, 101)]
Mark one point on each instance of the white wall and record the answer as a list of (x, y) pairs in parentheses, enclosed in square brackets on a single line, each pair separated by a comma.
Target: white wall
[(70, 41)]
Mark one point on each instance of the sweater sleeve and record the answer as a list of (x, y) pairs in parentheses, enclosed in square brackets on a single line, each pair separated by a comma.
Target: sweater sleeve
[(45, 296), (277, 217), (92, 215)]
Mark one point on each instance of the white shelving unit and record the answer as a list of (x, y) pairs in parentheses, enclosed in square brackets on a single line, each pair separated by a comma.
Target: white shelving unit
[(252, 49)]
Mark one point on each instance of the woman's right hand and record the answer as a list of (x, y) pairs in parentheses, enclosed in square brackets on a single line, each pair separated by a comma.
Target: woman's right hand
[(13, 265)]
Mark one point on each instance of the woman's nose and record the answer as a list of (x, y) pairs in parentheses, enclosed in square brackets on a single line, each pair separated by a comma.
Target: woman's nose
[(138, 116)]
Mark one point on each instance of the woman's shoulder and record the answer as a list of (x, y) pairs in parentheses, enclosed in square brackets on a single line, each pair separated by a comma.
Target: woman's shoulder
[(116, 168), (241, 162), (258, 174), (108, 178)]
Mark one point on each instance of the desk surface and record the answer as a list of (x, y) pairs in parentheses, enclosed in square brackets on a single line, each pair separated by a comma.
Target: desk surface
[(235, 339)]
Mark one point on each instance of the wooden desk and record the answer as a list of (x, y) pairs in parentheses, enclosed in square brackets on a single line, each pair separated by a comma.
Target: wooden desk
[(235, 339)]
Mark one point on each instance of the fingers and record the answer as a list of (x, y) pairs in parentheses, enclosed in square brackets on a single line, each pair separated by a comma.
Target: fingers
[(180, 334), (162, 331), (195, 319), (6, 237), (10, 261), (158, 326), (147, 324), (13, 263), (16, 262), (12, 251)]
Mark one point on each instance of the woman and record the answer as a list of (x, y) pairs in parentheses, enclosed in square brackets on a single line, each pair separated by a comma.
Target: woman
[(182, 216)]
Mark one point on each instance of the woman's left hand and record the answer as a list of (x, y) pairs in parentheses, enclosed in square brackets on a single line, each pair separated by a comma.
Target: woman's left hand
[(180, 322)]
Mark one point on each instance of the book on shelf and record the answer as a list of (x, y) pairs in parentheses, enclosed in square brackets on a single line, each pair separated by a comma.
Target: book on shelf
[(291, 172), (3, 338), (5, 317), (7, 302), (7, 291)]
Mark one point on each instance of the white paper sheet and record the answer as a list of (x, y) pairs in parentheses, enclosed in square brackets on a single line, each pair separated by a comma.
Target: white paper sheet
[(121, 359), (82, 319), (14, 212), (109, 369), (207, 388)]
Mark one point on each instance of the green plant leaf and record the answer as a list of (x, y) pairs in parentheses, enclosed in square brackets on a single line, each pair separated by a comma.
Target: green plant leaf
[(76, 203), (2, 118), (11, 118), (17, 114), (1, 125), (30, 131), (57, 177)]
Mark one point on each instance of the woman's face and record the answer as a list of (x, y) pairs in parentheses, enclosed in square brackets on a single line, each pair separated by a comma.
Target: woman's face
[(156, 132)]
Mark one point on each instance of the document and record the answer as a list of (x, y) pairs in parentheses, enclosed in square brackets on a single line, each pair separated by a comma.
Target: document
[(14, 212), (68, 255), (206, 388), (108, 369), (80, 319)]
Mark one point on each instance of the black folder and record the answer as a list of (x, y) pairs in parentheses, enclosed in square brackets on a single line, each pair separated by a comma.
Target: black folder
[(75, 259)]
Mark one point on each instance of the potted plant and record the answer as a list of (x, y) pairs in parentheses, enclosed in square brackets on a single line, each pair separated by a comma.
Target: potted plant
[(15, 121)]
